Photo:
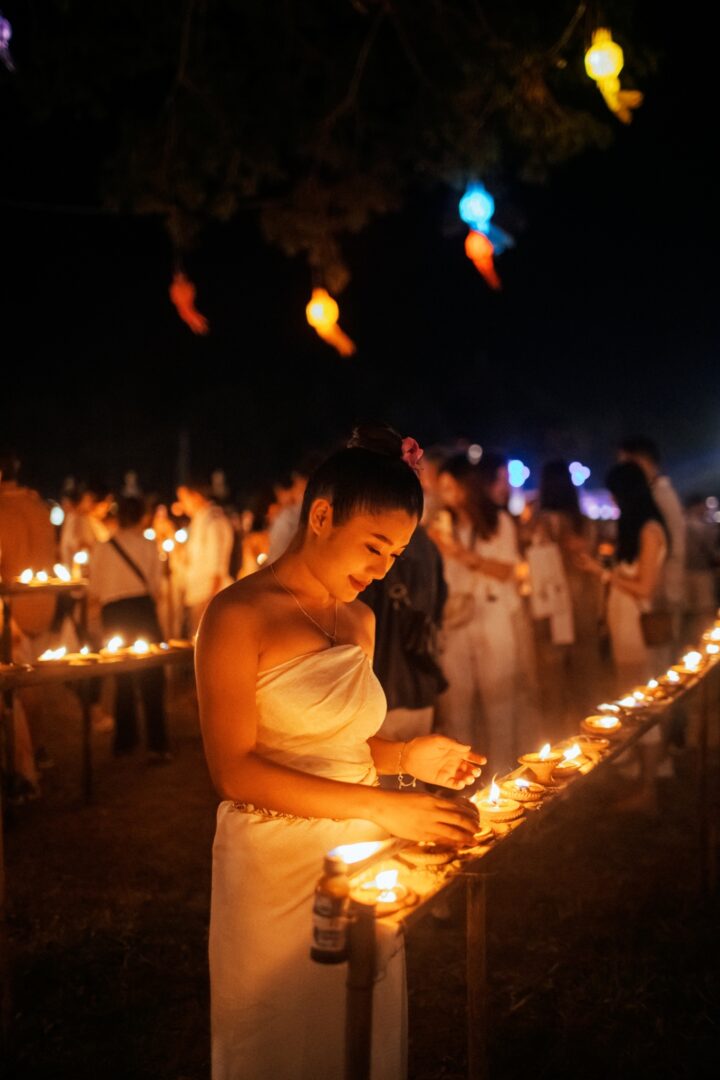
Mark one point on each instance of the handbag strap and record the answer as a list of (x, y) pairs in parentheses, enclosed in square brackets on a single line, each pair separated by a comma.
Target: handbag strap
[(131, 562)]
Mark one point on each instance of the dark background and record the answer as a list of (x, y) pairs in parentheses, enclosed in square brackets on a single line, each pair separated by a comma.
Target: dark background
[(607, 323)]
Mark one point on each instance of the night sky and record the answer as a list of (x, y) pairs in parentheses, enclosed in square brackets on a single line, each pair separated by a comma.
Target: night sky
[(607, 323)]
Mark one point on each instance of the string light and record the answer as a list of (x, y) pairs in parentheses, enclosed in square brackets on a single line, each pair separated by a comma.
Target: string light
[(323, 313), (603, 63)]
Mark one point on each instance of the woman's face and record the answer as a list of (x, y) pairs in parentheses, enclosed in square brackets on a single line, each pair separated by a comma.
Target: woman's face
[(499, 490), (451, 492), (347, 557)]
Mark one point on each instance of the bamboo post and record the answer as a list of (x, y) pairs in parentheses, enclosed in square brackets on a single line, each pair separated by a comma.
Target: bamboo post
[(360, 985), (477, 1059)]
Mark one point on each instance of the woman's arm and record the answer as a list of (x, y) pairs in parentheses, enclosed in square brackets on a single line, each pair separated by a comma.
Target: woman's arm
[(226, 669), (643, 584)]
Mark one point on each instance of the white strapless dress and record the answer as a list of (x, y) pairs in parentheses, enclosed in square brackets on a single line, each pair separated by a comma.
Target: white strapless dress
[(277, 1015)]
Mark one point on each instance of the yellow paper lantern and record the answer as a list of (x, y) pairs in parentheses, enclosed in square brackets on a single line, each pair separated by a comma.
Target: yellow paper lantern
[(603, 63), (604, 59), (322, 313)]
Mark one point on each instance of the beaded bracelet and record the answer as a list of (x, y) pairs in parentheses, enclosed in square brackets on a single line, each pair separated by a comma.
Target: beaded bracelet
[(404, 781)]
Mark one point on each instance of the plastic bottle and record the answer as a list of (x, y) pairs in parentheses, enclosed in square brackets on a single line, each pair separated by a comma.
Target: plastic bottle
[(330, 913)]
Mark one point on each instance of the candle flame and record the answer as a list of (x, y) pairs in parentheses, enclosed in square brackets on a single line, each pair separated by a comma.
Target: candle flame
[(653, 684), (572, 752), (494, 793), (605, 708), (140, 647), (181, 536), (385, 881), (521, 782), (353, 853), (715, 633), (712, 650), (692, 660), (672, 676), (82, 558), (53, 654), (115, 643), (638, 695), (62, 572), (85, 650), (545, 752), (26, 577), (42, 575), (628, 702), (168, 545)]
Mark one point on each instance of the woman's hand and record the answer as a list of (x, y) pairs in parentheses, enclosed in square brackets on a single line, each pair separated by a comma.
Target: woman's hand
[(439, 760), (427, 817)]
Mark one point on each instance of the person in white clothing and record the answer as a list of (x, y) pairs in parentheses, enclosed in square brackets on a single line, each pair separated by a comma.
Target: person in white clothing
[(634, 583), (207, 552), (482, 647), (671, 589)]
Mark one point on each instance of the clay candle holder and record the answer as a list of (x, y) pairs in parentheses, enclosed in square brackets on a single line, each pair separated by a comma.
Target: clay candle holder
[(385, 892), (541, 765), (522, 790), (495, 807), (608, 726), (573, 760), (593, 746)]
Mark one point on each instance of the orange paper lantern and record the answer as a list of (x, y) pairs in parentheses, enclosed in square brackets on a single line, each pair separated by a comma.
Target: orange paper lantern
[(480, 250), (322, 313), (182, 294)]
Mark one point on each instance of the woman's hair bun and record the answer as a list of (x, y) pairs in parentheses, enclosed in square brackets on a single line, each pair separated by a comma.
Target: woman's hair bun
[(377, 437)]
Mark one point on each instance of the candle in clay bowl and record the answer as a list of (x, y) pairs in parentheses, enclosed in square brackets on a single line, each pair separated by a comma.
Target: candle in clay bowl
[(495, 807), (605, 725), (542, 763)]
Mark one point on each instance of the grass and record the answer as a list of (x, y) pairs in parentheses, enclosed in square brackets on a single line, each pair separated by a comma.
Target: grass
[(604, 961)]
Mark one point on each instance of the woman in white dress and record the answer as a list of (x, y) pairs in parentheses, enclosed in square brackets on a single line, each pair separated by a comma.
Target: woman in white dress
[(642, 548), (289, 707), (482, 650)]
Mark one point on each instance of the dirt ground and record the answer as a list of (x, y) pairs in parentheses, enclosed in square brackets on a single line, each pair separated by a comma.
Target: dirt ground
[(604, 960)]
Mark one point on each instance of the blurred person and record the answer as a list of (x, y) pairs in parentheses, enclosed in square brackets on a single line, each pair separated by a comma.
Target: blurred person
[(87, 524), (702, 559), (207, 551), (255, 532), (567, 638), (289, 497), (671, 591), (27, 541), (125, 576), (482, 653), (408, 604), (635, 583)]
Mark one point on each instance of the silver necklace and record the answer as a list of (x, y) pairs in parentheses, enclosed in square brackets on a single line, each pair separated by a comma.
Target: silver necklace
[(332, 638)]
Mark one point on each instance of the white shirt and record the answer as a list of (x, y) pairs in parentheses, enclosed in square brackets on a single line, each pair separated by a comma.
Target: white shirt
[(673, 575), (207, 554), (110, 578)]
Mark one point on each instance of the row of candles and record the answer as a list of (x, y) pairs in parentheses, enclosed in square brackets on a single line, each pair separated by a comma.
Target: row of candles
[(503, 804), (62, 574), (114, 649)]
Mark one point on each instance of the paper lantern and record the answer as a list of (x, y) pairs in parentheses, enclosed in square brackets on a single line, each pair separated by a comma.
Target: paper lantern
[(5, 35), (603, 63), (480, 251), (477, 206), (322, 313), (182, 294)]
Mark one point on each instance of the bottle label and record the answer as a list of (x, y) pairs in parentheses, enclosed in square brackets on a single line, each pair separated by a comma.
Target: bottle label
[(329, 934)]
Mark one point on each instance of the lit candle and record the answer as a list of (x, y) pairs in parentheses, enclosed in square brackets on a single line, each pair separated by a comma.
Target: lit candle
[(42, 576), (61, 572), (355, 853), (523, 790), (496, 807), (572, 760), (53, 654), (26, 577), (181, 536), (114, 644), (168, 545), (542, 764), (385, 892), (140, 648), (607, 725)]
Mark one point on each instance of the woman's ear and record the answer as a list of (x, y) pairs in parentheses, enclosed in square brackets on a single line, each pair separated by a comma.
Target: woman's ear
[(320, 517)]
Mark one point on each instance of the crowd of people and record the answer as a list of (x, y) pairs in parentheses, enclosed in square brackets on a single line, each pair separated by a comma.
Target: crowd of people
[(367, 639), (498, 630)]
